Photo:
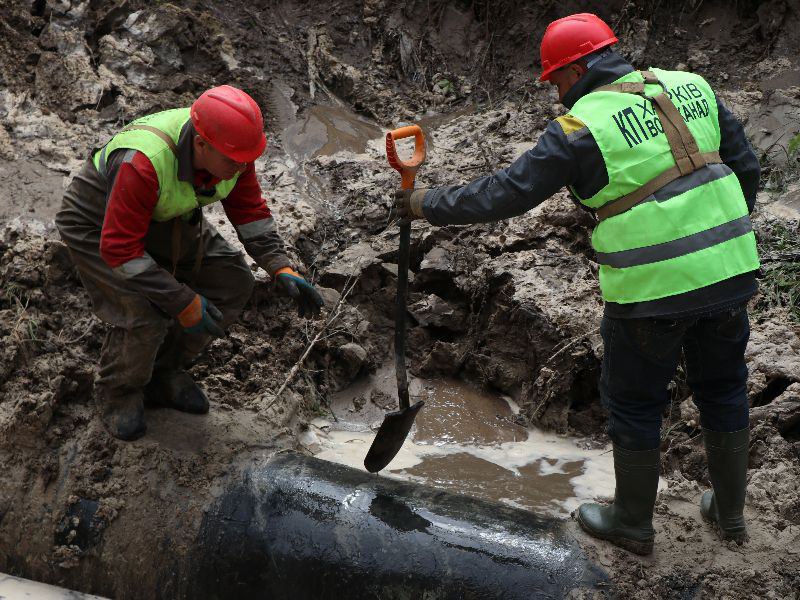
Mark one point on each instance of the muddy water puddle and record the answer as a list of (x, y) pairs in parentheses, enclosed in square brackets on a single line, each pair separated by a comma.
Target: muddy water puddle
[(465, 440), (325, 130)]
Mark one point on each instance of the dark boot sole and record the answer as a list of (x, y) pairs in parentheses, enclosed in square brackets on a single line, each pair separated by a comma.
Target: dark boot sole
[(127, 437), (189, 410), (738, 537), (154, 404), (155, 397), (637, 547)]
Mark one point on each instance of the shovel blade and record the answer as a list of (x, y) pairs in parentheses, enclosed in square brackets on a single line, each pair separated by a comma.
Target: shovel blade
[(390, 437)]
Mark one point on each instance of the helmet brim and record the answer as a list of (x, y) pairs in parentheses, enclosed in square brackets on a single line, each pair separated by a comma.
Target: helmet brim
[(247, 155), (547, 73)]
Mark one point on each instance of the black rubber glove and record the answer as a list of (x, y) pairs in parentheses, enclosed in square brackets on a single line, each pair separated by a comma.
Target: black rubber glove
[(308, 300)]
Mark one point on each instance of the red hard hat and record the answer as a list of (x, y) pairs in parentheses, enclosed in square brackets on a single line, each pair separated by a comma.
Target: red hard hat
[(568, 39), (230, 120)]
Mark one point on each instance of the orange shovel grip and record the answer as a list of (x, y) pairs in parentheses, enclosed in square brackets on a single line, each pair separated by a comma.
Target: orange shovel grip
[(407, 169)]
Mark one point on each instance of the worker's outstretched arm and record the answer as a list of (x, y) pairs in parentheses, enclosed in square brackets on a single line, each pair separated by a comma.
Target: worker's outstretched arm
[(737, 153), (532, 178), (247, 209)]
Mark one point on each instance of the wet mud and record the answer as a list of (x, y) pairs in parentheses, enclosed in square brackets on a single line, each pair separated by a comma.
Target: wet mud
[(510, 308)]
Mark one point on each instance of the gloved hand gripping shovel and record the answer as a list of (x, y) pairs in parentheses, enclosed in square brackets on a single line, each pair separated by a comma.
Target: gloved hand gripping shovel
[(397, 424)]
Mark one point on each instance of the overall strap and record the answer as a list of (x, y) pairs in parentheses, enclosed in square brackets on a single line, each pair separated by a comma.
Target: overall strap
[(161, 135), (177, 229), (177, 222), (682, 144)]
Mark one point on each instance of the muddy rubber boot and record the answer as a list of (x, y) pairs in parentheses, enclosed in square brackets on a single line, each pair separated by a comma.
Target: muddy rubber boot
[(628, 522), (172, 388), (122, 415), (727, 468)]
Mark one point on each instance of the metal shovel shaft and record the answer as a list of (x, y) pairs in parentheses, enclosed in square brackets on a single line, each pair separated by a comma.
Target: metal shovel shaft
[(400, 316), (396, 425)]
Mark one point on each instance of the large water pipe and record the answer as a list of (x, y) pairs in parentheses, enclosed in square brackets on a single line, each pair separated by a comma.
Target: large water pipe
[(297, 527)]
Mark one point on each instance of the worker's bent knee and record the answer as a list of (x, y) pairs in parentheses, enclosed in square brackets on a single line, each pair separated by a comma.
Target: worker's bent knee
[(229, 286), (128, 355)]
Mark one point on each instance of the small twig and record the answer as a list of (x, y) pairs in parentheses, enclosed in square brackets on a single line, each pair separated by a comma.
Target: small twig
[(312, 66), (334, 314), (472, 168), (785, 257), (574, 341), (686, 441), (482, 147), (538, 406)]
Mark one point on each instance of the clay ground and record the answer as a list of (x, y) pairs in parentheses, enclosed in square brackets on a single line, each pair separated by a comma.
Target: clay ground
[(513, 306)]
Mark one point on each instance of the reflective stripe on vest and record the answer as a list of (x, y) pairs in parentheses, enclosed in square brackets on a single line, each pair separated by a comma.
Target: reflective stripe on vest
[(685, 245), (681, 222), (152, 135)]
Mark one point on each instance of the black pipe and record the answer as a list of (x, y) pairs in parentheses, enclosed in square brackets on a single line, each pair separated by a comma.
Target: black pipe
[(299, 527)]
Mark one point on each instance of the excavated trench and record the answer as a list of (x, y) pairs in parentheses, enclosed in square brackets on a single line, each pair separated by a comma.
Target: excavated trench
[(503, 341)]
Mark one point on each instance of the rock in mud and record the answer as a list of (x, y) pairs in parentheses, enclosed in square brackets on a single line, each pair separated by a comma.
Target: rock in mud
[(783, 412), (309, 440), (350, 264), (776, 124), (65, 79), (350, 360), (434, 311), (786, 205)]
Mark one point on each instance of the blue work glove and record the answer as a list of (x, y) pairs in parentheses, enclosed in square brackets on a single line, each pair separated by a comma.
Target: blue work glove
[(308, 300), (201, 317)]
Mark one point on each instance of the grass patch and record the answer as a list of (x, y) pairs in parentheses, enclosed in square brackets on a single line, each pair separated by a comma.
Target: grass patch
[(781, 167), (779, 247)]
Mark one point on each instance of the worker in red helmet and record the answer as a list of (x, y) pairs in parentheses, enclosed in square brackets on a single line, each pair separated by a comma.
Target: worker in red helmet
[(670, 178), (155, 269)]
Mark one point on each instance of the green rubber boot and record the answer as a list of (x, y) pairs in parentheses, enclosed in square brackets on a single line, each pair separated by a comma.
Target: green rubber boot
[(727, 454), (628, 522)]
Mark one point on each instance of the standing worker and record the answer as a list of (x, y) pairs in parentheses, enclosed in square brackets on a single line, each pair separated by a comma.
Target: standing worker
[(671, 178), (155, 269)]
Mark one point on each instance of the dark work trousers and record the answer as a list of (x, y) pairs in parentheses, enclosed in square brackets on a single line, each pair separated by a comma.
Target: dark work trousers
[(641, 357), (141, 334)]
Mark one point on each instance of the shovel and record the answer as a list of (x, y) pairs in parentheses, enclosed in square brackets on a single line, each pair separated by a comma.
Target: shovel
[(397, 424)]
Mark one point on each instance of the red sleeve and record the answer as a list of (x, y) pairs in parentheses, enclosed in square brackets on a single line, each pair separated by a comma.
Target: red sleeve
[(245, 203), (129, 211)]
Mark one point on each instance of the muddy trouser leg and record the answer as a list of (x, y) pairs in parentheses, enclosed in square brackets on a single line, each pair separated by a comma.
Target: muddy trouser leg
[(126, 364), (223, 278), (640, 358), (717, 374), (228, 283), (137, 327)]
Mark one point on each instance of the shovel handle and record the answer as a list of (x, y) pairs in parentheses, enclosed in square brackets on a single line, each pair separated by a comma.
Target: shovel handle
[(407, 169), (408, 172)]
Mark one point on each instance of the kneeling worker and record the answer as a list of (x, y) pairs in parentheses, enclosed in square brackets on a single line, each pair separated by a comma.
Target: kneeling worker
[(671, 178), (156, 270)]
